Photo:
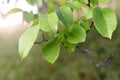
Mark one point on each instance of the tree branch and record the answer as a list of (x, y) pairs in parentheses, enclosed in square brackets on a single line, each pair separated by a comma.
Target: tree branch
[(44, 6), (88, 3), (107, 61)]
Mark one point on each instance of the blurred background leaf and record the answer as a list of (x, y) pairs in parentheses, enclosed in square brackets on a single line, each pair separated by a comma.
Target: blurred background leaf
[(32, 2)]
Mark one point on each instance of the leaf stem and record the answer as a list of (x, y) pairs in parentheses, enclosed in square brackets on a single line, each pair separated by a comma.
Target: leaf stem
[(43, 40), (92, 24)]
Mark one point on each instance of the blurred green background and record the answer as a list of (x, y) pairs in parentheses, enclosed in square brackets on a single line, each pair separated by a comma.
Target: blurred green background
[(69, 66)]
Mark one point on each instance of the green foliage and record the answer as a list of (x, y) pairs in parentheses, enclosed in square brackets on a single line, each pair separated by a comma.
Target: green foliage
[(49, 22), (70, 47), (14, 10), (29, 16), (51, 50), (94, 2), (85, 24), (32, 2), (105, 1), (88, 13), (75, 5), (76, 35), (65, 15), (60, 29), (84, 1), (27, 40), (105, 21)]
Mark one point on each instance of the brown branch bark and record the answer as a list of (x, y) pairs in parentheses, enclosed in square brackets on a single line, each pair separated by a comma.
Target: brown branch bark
[(107, 61)]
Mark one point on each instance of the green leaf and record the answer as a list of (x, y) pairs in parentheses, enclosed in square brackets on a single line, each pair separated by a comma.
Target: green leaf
[(88, 13), (14, 10), (32, 2), (35, 22), (105, 1), (49, 22), (29, 16), (65, 15), (51, 50), (105, 21), (26, 41), (84, 1), (94, 2), (70, 47), (85, 24), (74, 5), (50, 10), (76, 35)]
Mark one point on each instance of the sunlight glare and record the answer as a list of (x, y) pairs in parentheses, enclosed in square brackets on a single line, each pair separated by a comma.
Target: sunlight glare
[(11, 20), (15, 18)]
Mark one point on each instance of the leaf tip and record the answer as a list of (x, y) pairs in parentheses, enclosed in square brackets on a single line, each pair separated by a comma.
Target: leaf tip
[(110, 37), (48, 59), (51, 62), (21, 57)]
